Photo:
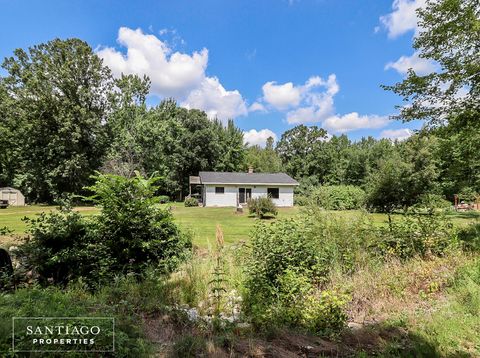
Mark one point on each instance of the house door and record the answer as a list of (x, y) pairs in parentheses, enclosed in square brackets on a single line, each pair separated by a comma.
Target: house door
[(244, 194)]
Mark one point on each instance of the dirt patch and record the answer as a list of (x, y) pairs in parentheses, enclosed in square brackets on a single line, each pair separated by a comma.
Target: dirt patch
[(7, 241)]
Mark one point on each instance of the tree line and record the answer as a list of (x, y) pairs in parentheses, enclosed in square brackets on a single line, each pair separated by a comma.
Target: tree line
[(63, 116)]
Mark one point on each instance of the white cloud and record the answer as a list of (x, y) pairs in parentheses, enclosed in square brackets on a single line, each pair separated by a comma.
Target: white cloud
[(254, 137), (281, 96), (354, 121), (257, 107), (403, 18), (215, 100), (313, 102), (308, 103), (172, 74), (312, 114), (398, 134), (420, 65)]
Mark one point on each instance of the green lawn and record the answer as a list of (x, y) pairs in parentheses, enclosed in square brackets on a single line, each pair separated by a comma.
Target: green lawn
[(200, 221)]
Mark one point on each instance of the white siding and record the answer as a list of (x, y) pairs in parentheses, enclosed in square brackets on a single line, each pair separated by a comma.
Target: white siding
[(285, 196), (14, 196), (229, 198)]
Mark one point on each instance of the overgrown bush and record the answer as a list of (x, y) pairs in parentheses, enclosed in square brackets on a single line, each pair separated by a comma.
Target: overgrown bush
[(262, 206), (129, 235), (433, 201), (301, 200), (339, 197), (4, 231), (469, 236), (287, 264), (162, 199), (63, 246), (191, 202), (468, 195), (417, 234)]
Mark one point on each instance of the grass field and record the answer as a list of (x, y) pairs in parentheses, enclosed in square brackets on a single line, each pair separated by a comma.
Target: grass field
[(200, 221)]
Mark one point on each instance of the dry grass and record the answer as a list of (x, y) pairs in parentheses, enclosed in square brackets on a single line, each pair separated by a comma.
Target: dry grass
[(385, 291)]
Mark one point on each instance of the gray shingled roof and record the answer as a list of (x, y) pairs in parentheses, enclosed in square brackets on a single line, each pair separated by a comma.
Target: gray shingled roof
[(246, 178)]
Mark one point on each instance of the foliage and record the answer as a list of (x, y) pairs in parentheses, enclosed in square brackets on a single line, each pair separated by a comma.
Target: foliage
[(324, 313), (136, 231), (4, 231), (60, 248), (469, 236), (339, 197), (189, 346), (191, 202), (449, 36), (452, 328), (56, 141), (404, 177), (163, 199), (264, 160), (285, 264), (468, 195), (130, 234), (297, 149), (191, 142), (433, 201), (276, 248), (262, 206), (301, 200), (417, 234), (83, 120), (218, 282)]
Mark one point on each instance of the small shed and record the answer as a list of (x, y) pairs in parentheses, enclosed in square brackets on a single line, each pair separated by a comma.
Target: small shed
[(14, 196)]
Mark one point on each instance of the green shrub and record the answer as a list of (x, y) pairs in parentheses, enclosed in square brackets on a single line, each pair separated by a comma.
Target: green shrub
[(262, 206), (286, 266), (5, 231), (61, 248), (130, 234), (339, 197), (276, 248), (417, 234), (433, 201), (324, 313), (468, 194), (301, 200), (163, 199), (136, 231), (191, 202), (469, 236)]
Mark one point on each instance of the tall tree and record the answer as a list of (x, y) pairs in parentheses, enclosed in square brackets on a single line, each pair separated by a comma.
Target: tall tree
[(125, 154), (449, 35), (449, 98), (264, 160), (58, 99), (297, 148)]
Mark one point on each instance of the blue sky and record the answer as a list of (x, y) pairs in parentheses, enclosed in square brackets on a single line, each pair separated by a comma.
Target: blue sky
[(270, 64)]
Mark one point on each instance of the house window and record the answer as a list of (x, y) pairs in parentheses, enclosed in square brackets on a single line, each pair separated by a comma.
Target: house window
[(273, 193), (219, 190)]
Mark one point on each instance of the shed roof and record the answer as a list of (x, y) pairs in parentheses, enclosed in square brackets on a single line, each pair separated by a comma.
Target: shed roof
[(7, 188), (246, 178)]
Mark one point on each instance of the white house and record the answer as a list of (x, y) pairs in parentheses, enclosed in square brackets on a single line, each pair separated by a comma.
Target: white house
[(233, 189)]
